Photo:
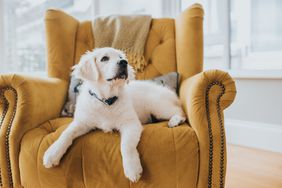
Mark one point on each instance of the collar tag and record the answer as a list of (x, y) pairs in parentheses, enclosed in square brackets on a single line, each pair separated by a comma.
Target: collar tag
[(111, 100)]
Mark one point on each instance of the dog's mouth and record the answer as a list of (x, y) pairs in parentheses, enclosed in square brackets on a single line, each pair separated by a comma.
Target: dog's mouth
[(120, 75)]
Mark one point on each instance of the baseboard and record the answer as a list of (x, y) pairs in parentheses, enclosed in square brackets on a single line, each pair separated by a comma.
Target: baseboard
[(254, 134)]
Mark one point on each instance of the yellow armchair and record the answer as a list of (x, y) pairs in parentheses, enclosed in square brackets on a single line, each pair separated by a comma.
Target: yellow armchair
[(191, 155), (204, 97), (25, 103)]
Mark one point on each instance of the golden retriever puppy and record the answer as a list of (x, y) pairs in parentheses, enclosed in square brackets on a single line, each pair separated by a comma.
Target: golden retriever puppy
[(110, 99)]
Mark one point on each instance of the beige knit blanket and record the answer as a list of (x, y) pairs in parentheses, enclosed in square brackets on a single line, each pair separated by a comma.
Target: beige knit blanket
[(127, 33)]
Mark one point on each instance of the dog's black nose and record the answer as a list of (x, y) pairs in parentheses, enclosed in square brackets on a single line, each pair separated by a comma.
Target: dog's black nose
[(122, 63)]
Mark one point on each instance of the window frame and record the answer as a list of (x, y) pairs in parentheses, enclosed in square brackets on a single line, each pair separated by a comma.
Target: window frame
[(228, 52)]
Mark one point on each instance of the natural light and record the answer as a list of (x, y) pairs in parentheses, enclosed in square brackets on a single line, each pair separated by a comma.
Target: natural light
[(241, 42)]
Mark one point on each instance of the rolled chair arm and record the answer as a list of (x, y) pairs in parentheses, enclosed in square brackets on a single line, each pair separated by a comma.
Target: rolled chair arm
[(204, 97), (25, 102)]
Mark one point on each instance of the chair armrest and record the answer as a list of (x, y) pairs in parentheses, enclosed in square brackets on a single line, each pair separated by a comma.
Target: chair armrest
[(25, 102), (204, 97)]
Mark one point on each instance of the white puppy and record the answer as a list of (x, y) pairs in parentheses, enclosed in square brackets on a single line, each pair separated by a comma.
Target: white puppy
[(108, 100)]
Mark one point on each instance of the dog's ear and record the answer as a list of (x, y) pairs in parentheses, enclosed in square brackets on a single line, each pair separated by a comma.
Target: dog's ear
[(86, 69)]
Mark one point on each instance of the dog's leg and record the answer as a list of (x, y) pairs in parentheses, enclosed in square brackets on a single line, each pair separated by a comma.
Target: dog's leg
[(55, 152), (130, 136), (176, 120), (170, 112)]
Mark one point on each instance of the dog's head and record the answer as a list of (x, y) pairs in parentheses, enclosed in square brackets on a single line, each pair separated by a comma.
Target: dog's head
[(104, 65)]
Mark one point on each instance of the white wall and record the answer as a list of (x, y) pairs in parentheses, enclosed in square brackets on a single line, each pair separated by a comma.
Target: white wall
[(257, 100), (255, 117)]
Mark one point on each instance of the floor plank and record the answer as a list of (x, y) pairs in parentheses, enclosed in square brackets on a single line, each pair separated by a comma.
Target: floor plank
[(252, 168)]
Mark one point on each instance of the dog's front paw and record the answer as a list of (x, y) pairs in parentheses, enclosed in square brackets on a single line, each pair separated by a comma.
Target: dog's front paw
[(176, 120), (133, 169), (51, 157)]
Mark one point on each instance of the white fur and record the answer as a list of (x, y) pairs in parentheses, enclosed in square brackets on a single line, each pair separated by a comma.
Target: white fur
[(137, 100)]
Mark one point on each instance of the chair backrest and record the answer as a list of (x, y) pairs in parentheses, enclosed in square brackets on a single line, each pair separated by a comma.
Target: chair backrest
[(172, 44)]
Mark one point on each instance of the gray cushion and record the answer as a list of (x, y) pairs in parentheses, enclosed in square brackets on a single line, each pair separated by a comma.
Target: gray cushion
[(170, 80)]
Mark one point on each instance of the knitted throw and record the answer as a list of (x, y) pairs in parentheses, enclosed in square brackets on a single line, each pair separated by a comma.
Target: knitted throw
[(127, 33)]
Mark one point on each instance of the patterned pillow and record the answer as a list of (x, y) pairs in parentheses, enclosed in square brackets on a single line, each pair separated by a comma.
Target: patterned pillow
[(170, 80)]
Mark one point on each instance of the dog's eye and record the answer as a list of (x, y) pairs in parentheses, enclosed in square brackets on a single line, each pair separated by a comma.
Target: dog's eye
[(105, 58)]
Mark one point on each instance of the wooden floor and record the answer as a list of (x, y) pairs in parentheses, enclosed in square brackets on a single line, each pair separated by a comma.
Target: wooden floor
[(252, 168)]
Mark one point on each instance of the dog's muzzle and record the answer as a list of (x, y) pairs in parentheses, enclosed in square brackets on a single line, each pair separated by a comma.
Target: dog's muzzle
[(122, 72)]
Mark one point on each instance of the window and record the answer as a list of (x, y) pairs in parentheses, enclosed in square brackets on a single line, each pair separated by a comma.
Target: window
[(239, 34), (23, 31), (22, 37), (242, 34), (156, 8), (107, 7), (256, 34)]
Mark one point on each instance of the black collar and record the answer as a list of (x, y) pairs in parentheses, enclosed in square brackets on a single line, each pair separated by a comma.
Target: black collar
[(108, 101)]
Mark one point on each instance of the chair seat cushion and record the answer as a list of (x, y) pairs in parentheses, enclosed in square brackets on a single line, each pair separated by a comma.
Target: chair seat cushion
[(169, 157)]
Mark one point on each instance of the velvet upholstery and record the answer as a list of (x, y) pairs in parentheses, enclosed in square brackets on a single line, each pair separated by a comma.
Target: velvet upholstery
[(191, 155)]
